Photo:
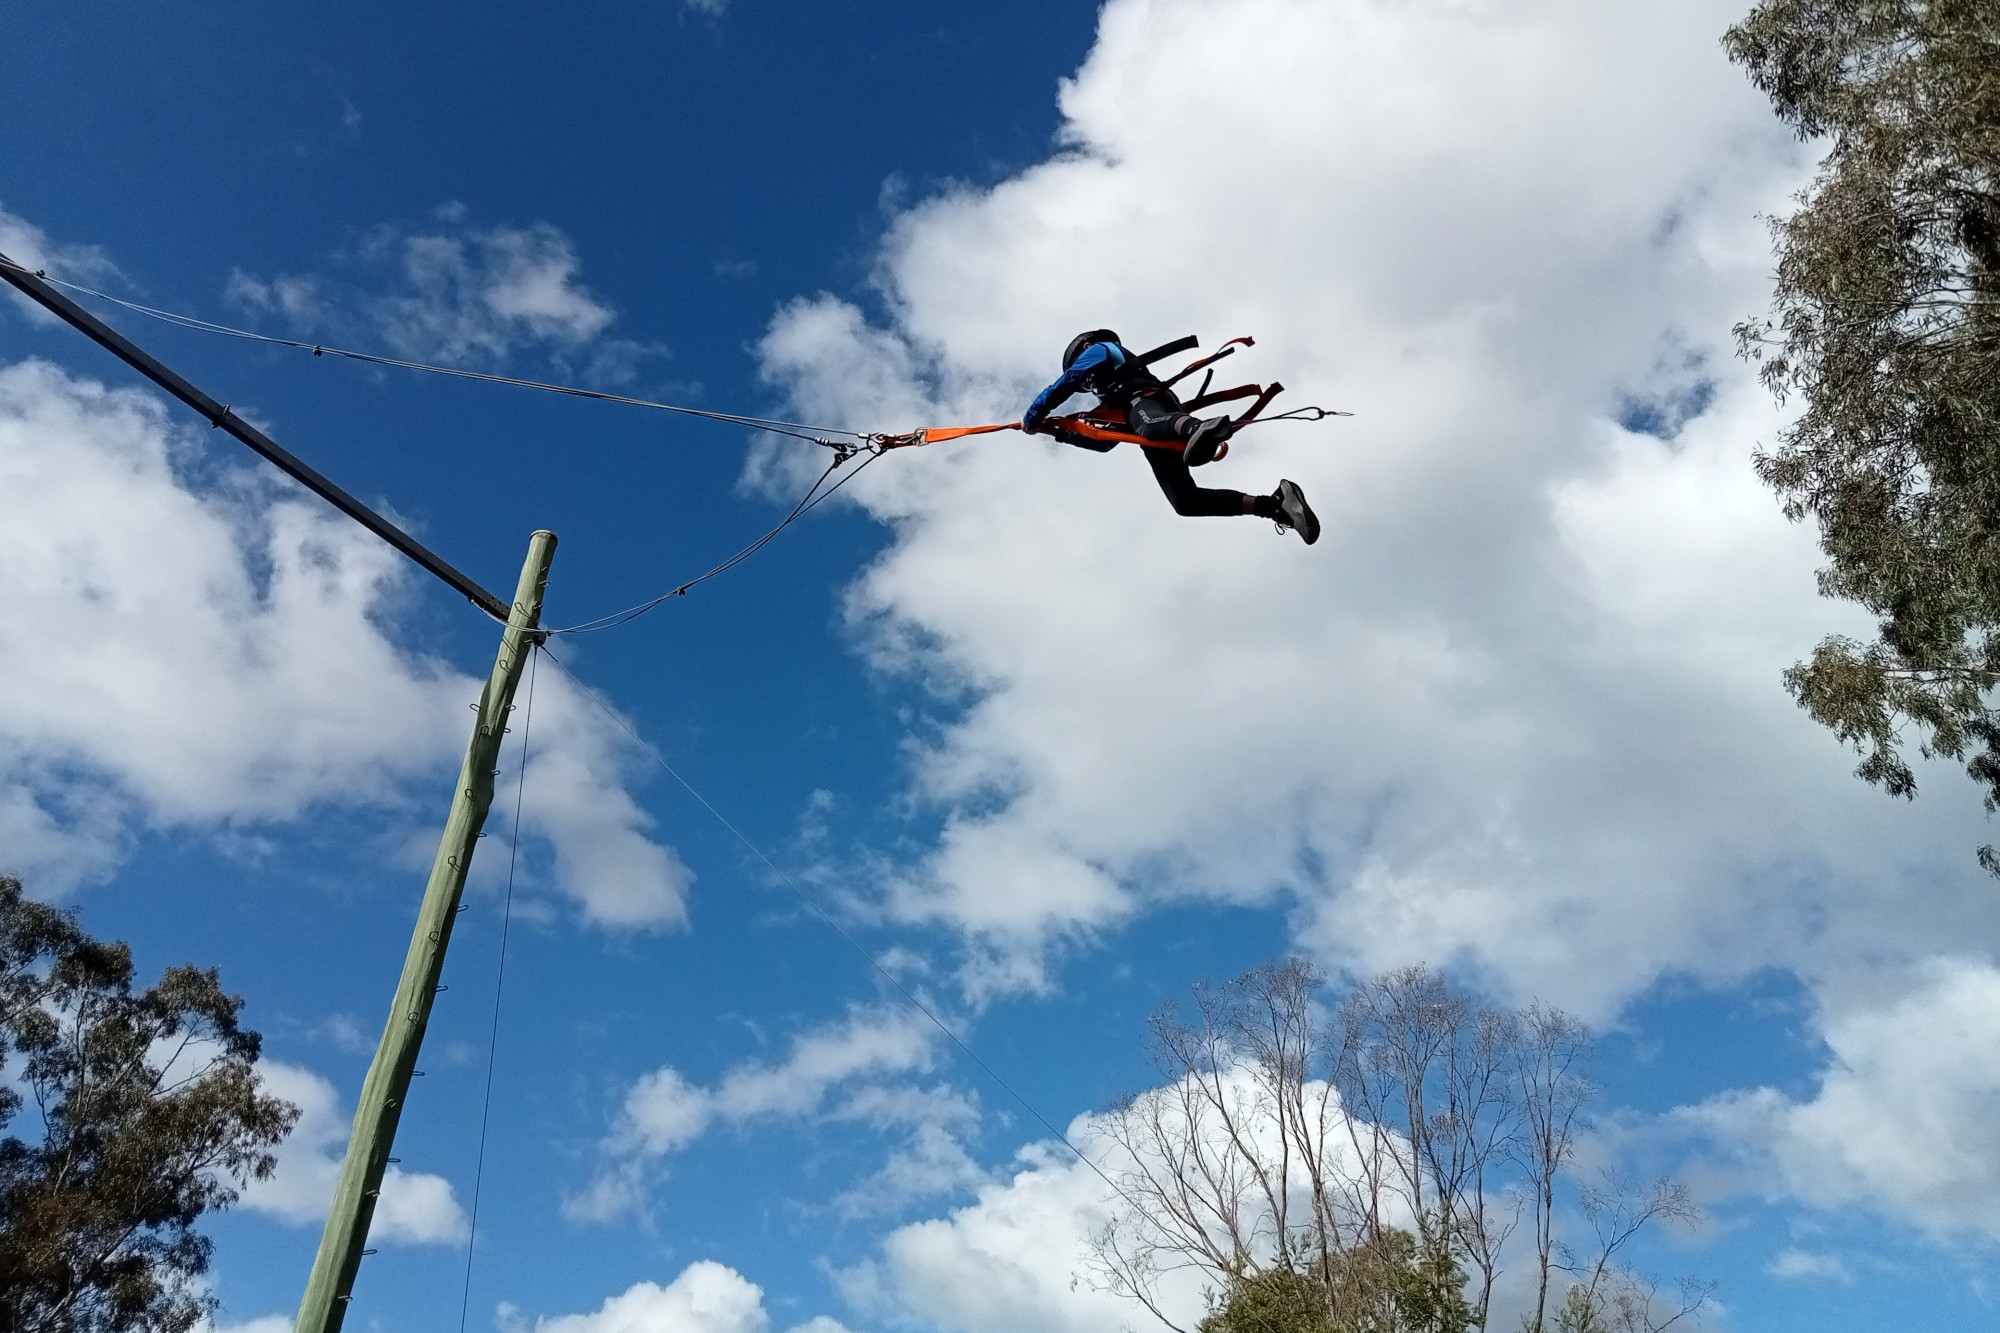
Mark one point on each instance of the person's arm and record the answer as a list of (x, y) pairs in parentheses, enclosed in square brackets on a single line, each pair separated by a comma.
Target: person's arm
[(1072, 380)]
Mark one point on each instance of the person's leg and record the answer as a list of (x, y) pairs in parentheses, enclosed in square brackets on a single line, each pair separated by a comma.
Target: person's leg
[(1192, 501), (1158, 416)]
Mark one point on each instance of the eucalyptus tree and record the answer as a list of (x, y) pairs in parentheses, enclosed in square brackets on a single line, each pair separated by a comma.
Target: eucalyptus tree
[(124, 1117), (1885, 325)]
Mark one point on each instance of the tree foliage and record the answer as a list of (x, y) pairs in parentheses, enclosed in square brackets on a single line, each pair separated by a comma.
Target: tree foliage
[(145, 1113), (1886, 325), (1384, 1284), (1365, 1168)]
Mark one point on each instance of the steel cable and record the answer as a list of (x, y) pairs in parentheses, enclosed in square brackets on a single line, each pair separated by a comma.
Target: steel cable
[(499, 982), (795, 429)]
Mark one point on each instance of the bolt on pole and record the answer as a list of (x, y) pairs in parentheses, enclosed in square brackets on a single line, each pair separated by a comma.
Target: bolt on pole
[(331, 1285)]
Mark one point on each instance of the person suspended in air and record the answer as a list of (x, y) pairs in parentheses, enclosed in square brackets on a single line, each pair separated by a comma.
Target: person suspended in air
[(1097, 362)]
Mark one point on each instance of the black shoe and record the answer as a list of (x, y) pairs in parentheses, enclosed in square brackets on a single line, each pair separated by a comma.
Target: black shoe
[(1297, 514), (1205, 444)]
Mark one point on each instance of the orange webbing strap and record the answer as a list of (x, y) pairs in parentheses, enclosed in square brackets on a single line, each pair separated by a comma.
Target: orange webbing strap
[(939, 434), (1078, 425), (1109, 431), (1087, 427)]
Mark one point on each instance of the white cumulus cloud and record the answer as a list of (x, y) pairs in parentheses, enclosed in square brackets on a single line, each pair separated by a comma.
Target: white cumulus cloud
[(211, 659), (1902, 1120), (270, 1323), (1519, 707), (1014, 1259), (452, 291), (1519, 711), (707, 1297), (34, 249), (1796, 1265), (414, 1208), (853, 1070)]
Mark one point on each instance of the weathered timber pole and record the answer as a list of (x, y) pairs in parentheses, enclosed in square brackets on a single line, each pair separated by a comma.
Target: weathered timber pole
[(331, 1285)]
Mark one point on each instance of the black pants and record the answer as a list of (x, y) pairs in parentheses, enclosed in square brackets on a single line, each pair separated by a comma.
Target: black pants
[(1158, 416)]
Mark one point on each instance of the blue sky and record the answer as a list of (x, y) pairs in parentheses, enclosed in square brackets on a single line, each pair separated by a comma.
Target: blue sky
[(1050, 753)]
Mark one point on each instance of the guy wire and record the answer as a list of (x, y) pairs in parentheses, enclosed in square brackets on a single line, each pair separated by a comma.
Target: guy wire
[(499, 981), (813, 906)]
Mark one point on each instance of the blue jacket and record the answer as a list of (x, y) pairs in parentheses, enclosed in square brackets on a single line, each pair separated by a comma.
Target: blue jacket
[(1098, 364)]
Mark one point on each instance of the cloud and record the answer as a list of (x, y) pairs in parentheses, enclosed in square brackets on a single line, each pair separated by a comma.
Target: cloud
[(577, 799), (1902, 1120), (1795, 1265), (859, 1058), (454, 292), (270, 1323), (213, 660), (295, 297), (344, 1034), (32, 248), (414, 1208), (933, 1162), (664, 1112), (707, 1297), (1014, 1259), (869, 1042), (1027, 1253), (1519, 710)]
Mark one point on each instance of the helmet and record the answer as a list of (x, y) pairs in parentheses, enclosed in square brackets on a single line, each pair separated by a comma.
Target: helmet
[(1083, 340)]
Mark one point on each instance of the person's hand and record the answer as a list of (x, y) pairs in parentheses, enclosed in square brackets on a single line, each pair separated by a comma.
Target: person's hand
[(1032, 425)]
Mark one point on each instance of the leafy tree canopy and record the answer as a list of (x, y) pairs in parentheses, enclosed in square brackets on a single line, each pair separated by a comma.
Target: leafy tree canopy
[(146, 1114), (1394, 1283), (1886, 325)]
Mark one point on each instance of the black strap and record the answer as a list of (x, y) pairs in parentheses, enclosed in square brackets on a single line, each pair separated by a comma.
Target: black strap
[(1173, 348)]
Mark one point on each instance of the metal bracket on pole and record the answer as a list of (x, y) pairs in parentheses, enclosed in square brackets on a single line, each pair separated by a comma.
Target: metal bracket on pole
[(331, 1285), (219, 416)]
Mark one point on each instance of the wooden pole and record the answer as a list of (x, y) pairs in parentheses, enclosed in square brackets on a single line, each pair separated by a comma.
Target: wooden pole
[(331, 1285)]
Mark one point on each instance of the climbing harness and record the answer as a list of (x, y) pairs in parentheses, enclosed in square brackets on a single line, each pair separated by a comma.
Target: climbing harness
[(1107, 425)]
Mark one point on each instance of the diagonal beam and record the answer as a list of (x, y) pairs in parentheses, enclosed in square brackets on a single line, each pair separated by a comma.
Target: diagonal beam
[(219, 416)]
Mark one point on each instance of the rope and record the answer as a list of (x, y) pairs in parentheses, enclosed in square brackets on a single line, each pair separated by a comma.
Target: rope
[(808, 502), (499, 980), (1299, 414), (795, 429), (856, 442), (812, 904)]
